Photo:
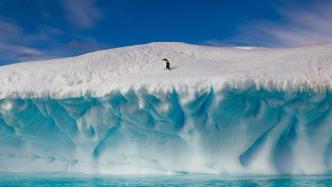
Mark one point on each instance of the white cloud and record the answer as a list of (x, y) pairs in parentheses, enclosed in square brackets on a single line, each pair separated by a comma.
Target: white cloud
[(14, 42), (297, 26), (18, 43), (29, 52), (8, 27), (82, 13), (214, 42), (19, 52), (8, 30)]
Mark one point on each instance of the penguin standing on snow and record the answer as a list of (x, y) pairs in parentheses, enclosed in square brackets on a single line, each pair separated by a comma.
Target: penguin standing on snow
[(168, 65)]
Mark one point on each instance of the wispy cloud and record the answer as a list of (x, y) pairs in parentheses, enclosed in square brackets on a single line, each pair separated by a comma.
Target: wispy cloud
[(214, 42), (77, 46), (297, 26), (219, 43), (12, 41), (7, 27), (83, 14), (11, 52), (17, 45)]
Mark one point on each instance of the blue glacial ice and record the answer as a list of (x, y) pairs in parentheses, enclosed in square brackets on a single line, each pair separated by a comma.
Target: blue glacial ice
[(243, 131)]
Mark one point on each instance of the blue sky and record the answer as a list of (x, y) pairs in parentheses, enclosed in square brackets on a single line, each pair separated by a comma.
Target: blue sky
[(43, 29)]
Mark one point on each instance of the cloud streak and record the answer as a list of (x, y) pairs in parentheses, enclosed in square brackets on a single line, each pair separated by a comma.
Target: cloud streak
[(12, 41), (10, 51), (297, 26), (83, 14), (17, 45)]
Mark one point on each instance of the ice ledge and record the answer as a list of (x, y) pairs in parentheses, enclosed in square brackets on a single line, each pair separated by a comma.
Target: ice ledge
[(194, 67), (189, 87)]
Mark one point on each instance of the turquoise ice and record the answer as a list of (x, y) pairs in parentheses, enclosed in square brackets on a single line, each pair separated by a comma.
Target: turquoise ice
[(237, 131)]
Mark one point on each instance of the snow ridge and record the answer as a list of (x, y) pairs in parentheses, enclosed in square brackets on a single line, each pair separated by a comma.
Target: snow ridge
[(99, 73)]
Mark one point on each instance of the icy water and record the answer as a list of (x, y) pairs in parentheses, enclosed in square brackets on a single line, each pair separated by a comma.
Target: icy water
[(64, 180)]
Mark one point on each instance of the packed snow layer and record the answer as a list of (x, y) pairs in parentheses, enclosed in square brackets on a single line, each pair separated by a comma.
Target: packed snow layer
[(98, 73), (219, 110), (237, 131)]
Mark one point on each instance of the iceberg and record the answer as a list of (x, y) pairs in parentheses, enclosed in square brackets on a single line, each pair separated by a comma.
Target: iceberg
[(219, 110)]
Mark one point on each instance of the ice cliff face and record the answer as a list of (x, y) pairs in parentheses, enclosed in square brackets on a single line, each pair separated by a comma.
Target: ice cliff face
[(205, 116)]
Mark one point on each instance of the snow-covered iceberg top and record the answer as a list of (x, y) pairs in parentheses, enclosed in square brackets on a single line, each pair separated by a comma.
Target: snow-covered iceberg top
[(193, 66)]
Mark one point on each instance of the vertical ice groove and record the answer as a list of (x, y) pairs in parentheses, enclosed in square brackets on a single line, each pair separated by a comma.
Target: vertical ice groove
[(214, 131)]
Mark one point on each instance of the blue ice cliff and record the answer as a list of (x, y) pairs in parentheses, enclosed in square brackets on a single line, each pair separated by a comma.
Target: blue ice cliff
[(219, 110)]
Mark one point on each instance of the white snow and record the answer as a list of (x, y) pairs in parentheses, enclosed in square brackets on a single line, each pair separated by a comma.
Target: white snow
[(153, 121), (99, 73)]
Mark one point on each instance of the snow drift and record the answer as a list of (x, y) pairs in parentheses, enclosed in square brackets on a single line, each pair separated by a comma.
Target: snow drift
[(220, 110)]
